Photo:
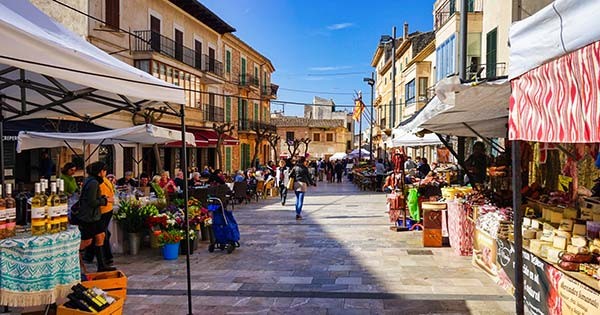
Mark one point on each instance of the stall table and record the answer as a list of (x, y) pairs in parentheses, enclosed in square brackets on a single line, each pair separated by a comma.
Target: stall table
[(38, 270)]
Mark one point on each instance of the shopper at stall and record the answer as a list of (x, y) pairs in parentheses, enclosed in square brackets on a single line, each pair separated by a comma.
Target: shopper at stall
[(166, 183), (127, 180), (380, 173), (477, 164), (409, 164), (196, 180), (339, 171), (106, 189), (217, 178), (423, 168), (66, 174), (282, 177), (302, 179), (156, 188), (89, 215)]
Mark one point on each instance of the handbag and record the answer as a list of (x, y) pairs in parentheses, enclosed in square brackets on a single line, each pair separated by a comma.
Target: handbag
[(290, 184)]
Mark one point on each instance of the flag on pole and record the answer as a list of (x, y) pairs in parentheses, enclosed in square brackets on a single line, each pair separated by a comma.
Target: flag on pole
[(359, 107)]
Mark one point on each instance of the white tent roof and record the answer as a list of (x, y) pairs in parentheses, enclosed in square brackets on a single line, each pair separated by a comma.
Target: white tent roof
[(364, 154), (411, 140), (561, 27), (62, 61), (143, 134), (338, 156), (483, 107)]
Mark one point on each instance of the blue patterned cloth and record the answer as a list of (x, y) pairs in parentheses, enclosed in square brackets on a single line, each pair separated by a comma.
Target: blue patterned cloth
[(37, 270)]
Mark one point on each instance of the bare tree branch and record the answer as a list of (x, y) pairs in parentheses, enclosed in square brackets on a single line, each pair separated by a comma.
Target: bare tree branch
[(273, 139), (221, 130)]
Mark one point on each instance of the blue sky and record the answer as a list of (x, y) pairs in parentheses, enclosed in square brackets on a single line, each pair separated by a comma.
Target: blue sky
[(320, 45)]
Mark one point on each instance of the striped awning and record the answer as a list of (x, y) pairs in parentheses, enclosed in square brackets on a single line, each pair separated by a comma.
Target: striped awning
[(558, 101)]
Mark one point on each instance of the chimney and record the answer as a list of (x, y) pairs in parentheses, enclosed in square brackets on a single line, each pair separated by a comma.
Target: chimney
[(405, 37)]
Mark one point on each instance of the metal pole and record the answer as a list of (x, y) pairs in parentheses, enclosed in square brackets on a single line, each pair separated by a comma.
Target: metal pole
[(518, 222), (462, 61), (1, 143), (372, 84), (185, 207), (393, 120)]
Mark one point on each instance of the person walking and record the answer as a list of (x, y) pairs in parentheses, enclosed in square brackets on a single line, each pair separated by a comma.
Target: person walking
[(302, 179), (282, 177), (90, 217), (339, 171)]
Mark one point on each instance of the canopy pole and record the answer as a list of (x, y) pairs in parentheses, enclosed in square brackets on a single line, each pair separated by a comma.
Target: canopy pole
[(83, 157), (518, 222), (185, 207), (1, 143)]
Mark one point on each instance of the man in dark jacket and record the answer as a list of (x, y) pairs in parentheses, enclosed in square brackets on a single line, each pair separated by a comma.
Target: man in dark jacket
[(302, 179)]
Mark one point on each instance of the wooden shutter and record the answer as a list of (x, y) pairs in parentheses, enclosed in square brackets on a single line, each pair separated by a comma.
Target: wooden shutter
[(228, 160), (490, 55), (112, 13), (228, 109), (228, 61)]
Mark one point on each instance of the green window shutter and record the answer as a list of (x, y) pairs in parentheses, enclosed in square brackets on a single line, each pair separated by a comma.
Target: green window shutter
[(243, 74), (228, 159), (228, 109), (490, 55), (228, 61), (255, 111)]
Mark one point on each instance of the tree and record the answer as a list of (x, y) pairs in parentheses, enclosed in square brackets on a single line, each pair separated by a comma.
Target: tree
[(261, 131), (221, 130), (293, 146), (273, 139), (306, 141)]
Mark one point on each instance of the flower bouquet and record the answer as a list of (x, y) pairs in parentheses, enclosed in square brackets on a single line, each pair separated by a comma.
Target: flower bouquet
[(169, 240)]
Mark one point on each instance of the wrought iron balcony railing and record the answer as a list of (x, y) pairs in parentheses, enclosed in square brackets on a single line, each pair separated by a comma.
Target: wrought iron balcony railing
[(153, 41), (251, 125), (247, 79), (447, 10), (213, 113), (270, 90)]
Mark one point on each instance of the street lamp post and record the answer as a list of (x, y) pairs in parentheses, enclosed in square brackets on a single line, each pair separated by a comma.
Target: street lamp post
[(371, 81), (385, 39)]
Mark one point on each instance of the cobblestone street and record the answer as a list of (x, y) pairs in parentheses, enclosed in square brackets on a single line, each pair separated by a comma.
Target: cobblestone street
[(341, 259)]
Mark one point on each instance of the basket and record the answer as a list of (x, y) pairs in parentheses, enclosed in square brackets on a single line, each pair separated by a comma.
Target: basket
[(114, 309), (113, 282)]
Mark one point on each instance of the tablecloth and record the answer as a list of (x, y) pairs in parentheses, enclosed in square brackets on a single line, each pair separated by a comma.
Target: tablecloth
[(460, 229), (38, 270)]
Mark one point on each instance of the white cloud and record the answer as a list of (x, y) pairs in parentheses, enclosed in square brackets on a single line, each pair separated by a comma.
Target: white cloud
[(339, 26), (329, 68)]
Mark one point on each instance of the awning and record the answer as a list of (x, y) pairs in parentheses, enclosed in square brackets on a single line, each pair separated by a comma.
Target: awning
[(558, 101), (411, 140), (206, 139), (563, 26), (63, 74), (460, 109), (143, 134)]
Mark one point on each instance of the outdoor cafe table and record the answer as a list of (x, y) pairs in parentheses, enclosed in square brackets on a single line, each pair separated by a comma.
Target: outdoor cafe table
[(38, 270)]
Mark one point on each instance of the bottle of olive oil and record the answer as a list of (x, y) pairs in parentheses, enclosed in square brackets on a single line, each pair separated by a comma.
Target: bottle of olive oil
[(38, 212), (54, 210), (64, 207)]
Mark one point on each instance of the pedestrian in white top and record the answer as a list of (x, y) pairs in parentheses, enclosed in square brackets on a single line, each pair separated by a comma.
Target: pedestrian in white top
[(380, 172), (282, 176)]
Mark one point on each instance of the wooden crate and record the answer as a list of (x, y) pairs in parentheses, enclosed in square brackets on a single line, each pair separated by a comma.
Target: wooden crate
[(432, 238), (114, 309), (113, 282)]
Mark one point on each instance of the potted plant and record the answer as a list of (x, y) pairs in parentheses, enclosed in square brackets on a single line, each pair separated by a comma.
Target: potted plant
[(132, 217), (156, 224), (184, 242), (169, 239)]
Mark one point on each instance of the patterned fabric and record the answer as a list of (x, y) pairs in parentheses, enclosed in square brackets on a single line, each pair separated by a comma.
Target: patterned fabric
[(558, 101), (37, 270), (461, 230)]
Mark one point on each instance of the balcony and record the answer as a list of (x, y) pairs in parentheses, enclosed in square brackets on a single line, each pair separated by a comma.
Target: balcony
[(247, 80), (447, 10), (148, 41), (213, 113), (477, 72), (251, 125), (270, 91)]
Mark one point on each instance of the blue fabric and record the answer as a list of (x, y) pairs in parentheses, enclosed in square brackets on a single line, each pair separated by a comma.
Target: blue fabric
[(299, 201), (224, 225), (39, 264)]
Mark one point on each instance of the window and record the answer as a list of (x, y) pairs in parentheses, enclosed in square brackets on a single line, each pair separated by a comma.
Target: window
[(197, 54), (243, 71), (178, 45), (256, 112), (227, 109), (330, 137), (423, 82), (348, 145), (255, 75), (289, 136), (228, 61), (445, 58), (228, 160), (392, 114), (155, 33), (112, 13), (316, 137), (409, 92), (211, 59), (490, 54), (349, 126)]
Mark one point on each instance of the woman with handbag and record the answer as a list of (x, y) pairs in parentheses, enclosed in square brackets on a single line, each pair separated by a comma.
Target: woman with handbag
[(301, 177), (282, 177), (89, 215)]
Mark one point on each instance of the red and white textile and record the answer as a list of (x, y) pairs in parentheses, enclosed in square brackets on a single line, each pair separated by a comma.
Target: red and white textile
[(461, 229), (558, 101)]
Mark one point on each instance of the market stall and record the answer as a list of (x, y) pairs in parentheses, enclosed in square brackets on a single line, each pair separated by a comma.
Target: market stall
[(554, 102), (48, 71)]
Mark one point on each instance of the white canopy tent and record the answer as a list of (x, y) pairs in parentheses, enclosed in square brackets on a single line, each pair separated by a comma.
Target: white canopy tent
[(464, 110), (364, 154), (412, 140), (143, 134), (338, 156)]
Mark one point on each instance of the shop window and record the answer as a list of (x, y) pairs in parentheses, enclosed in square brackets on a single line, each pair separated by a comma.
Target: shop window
[(317, 137), (330, 137), (289, 136), (113, 13)]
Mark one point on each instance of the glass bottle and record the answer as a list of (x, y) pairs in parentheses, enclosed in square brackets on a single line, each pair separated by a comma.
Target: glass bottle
[(54, 210), (11, 212), (64, 205), (23, 211), (43, 186), (2, 216), (38, 212)]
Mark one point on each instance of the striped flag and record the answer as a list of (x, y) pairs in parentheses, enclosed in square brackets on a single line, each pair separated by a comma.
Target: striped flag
[(359, 107)]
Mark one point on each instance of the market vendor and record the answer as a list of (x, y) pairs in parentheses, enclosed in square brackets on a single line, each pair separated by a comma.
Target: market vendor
[(477, 164), (67, 172)]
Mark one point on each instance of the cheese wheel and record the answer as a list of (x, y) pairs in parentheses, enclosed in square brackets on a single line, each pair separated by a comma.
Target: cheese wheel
[(566, 225), (553, 255), (579, 229), (579, 241), (560, 242), (576, 249)]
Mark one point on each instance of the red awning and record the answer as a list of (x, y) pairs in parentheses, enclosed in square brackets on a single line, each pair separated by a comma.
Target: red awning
[(559, 101), (206, 139)]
